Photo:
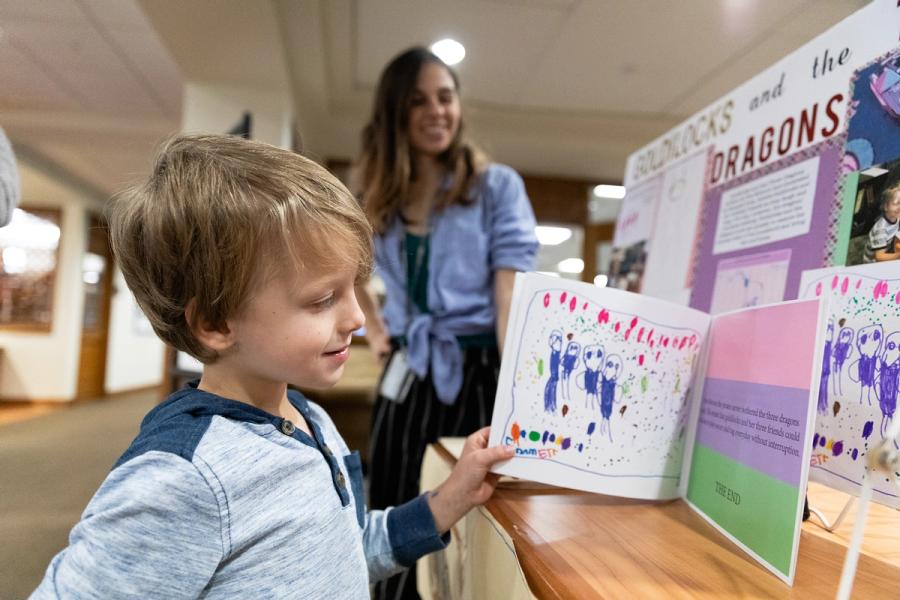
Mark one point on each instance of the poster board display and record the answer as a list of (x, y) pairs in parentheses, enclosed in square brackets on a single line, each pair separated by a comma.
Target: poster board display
[(731, 206)]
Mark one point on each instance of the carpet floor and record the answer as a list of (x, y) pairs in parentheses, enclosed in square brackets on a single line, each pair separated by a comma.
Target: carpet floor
[(50, 467)]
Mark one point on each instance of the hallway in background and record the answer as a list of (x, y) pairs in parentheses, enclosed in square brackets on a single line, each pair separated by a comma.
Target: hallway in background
[(50, 466)]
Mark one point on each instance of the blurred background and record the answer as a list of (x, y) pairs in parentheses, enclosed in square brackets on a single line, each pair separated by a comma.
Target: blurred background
[(561, 90)]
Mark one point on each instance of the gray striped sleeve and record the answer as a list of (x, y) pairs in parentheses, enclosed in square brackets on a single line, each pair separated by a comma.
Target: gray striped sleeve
[(153, 530), (377, 547), (393, 539), (9, 181)]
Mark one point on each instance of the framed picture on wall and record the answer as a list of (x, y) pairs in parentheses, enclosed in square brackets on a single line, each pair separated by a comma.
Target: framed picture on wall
[(29, 256)]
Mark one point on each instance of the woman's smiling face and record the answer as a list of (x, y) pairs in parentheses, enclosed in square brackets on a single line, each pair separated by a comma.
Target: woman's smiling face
[(434, 111)]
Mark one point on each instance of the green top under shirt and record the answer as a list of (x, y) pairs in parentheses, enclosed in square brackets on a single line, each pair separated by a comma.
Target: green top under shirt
[(417, 279), (417, 288)]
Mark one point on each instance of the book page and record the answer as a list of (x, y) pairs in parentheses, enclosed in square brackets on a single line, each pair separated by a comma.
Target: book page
[(860, 372), (751, 452), (594, 387)]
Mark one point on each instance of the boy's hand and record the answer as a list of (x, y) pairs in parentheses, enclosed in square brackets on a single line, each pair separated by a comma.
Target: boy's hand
[(470, 483)]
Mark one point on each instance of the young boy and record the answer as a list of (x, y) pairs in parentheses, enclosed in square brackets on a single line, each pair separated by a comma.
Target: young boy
[(245, 256), (882, 243)]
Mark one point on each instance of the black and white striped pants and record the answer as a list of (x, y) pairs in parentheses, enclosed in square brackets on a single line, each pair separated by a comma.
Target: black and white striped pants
[(401, 431)]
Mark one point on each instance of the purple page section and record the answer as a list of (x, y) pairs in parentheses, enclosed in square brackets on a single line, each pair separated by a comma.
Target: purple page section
[(741, 420)]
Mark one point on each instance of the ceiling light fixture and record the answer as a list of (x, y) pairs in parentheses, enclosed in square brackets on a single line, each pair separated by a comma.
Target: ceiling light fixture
[(552, 236), (448, 50), (616, 192), (571, 265)]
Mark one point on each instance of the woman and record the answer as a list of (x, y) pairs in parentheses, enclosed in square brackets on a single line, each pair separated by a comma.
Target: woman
[(451, 232)]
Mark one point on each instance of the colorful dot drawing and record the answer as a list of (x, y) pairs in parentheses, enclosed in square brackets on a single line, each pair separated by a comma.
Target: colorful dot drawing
[(595, 359), (861, 372)]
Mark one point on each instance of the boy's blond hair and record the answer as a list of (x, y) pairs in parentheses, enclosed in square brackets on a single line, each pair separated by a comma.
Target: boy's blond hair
[(217, 216)]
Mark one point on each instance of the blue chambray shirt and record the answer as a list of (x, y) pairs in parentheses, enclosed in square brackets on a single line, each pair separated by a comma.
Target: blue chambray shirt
[(468, 243)]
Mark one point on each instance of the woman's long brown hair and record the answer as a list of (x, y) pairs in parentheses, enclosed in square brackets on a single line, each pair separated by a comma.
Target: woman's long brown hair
[(385, 167)]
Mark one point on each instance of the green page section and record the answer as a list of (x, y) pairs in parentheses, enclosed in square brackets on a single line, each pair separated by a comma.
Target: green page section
[(756, 509), (848, 201)]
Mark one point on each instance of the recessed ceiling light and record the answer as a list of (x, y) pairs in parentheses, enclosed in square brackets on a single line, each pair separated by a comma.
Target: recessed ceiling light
[(601, 280), (552, 236), (571, 265), (616, 192), (448, 50)]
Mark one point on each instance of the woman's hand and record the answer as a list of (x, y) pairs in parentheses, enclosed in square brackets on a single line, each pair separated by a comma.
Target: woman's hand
[(470, 483), (376, 334), (379, 344)]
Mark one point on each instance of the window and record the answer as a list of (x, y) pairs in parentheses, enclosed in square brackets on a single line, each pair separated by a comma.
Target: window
[(29, 248)]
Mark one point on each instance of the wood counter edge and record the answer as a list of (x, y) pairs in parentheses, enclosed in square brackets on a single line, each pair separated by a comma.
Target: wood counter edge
[(537, 575), (540, 576)]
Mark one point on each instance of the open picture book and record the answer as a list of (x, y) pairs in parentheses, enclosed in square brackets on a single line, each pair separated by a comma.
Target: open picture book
[(616, 393)]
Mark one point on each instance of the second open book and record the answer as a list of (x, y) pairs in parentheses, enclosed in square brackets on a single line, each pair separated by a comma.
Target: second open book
[(621, 394)]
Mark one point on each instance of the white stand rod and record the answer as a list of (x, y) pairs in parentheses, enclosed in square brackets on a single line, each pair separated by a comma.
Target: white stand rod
[(884, 458), (840, 518), (852, 557)]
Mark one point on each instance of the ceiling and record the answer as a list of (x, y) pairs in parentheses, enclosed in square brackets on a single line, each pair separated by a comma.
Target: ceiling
[(565, 88), (88, 88)]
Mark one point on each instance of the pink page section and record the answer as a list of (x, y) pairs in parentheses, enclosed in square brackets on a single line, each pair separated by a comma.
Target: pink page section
[(770, 345)]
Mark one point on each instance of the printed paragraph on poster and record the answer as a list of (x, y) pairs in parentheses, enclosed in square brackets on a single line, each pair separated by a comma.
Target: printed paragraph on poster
[(775, 207)]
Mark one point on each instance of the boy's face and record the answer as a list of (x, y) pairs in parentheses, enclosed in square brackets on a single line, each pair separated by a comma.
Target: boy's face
[(296, 328), (892, 207)]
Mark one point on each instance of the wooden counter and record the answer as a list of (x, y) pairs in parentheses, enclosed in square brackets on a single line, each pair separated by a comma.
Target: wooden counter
[(566, 544)]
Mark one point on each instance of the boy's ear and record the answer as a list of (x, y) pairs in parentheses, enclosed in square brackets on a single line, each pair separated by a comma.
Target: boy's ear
[(217, 339)]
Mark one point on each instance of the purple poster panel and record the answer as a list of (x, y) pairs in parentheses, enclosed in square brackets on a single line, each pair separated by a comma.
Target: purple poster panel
[(783, 211)]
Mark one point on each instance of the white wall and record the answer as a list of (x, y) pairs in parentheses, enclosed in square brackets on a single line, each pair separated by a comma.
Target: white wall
[(41, 365), (134, 355), (44, 365), (216, 108)]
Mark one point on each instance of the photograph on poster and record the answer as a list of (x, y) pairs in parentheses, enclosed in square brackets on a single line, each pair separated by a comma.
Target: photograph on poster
[(633, 229), (876, 208), (873, 133), (626, 267)]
